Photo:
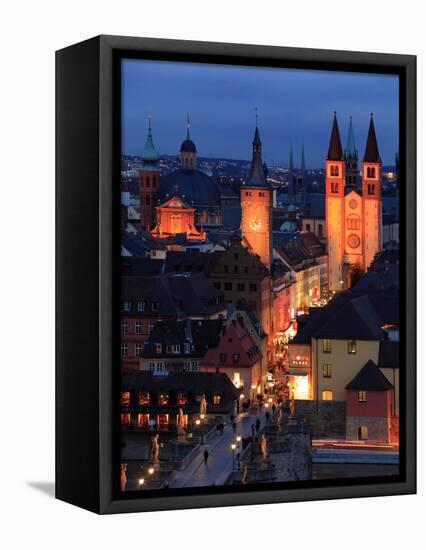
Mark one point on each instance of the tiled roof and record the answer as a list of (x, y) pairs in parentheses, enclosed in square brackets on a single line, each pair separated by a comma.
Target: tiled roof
[(369, 378)]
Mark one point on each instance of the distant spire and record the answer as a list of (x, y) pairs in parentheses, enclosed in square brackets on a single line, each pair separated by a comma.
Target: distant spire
[(149, 154), (351, 151), (335, 151), (302, 163), (188, 126), (291, 188), (371, 149)]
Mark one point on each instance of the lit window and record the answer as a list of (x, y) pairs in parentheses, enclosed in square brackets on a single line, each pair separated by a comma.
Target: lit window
[(216, 399), (326, 345), (127, 306), (362, 396), (143, 420), (124, 327), (138, 349), (125, 399), (125, 419), (124, 350), (141, 306), (138, 327), (143, 398), (327, 395), (163, 399), (326, 370), (236, 379), (163, 421), (351, 346), (182, 398)]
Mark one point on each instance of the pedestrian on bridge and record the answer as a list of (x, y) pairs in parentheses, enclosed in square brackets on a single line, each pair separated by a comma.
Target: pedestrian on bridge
[(206, 456)]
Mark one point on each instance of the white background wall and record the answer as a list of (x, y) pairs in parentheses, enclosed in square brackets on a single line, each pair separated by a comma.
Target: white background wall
[(30, 32)]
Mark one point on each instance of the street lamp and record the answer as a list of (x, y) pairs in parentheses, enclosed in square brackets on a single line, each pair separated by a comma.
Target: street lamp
[(233, 447), (150, 471), (238, 439), (141, 482), (197, 422)]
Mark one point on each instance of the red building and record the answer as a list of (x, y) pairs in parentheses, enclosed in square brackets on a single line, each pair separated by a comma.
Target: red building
[(238, 356), (369, 405), (176, 216)]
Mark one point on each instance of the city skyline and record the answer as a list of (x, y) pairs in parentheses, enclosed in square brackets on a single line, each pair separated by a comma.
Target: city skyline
[(225, 129)]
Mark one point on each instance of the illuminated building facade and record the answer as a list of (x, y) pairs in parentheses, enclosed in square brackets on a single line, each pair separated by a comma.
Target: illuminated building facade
[(353, 218), (176, 216)]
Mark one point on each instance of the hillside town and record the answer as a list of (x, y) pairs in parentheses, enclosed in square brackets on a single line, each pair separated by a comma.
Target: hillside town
[(259, 315)]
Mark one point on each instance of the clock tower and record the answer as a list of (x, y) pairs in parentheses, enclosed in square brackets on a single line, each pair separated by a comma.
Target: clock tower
[(256, 206)]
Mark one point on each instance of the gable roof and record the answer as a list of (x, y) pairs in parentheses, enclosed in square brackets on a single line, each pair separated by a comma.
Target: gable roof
[(369, 378)]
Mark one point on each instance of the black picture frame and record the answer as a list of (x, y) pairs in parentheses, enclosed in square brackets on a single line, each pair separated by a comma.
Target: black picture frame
[(87, 270)]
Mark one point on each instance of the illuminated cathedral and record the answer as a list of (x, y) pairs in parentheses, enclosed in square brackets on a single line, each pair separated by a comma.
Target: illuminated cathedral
[(353, 215)]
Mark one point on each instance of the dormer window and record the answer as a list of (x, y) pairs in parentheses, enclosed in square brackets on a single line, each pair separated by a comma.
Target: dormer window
[(127, 306), (155, 306), (141, 306)]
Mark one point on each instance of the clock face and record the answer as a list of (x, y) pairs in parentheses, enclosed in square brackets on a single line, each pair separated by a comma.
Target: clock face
[(353, 241), (255, 223)]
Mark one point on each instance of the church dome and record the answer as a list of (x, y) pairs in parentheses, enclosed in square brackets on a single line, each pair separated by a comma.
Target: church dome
[(188, 146), (194, 186)]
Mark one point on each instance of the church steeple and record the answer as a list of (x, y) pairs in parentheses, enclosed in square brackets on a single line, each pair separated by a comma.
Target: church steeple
[(149, 154), (371, 149), (188, 151), (257, 177), (335, 151), (351, 160), (291, 187)]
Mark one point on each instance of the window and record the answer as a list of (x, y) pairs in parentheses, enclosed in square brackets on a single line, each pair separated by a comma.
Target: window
[(241, 287), (222, 357), (327, 395), (125, 419), (163, 399), (138, 349), (163, 421), (194, 366), (362, 396), (138, 327), (185, 420), (155, 306), (169, 348), (182, 398), (326, 346), (371, 172), (236, 379), (326, 370), (143, 420), (217, 285), (124, 327), (353, 222), (176, 348), (334, 171), (158, 348), (216, 399), (253, 287), (150, 326), (124, 350), (141, 306), (125, 399), (245, 269), (351, 346), (370, 188), (334, 187), (308, 227), (363, 432), (235, 269), (228, 286), (127, 306), (187, 347), (235, 357), (143, 398)]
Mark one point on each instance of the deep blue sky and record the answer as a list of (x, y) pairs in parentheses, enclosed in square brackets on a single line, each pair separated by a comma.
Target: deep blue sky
[(294, 105)]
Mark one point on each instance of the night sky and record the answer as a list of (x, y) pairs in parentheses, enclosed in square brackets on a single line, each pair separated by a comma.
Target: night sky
[(294, 106)]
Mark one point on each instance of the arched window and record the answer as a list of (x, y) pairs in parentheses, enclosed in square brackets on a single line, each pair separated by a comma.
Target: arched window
[(353, 222), (334, 187), (334, 171), (371, 172), (371, 188)]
